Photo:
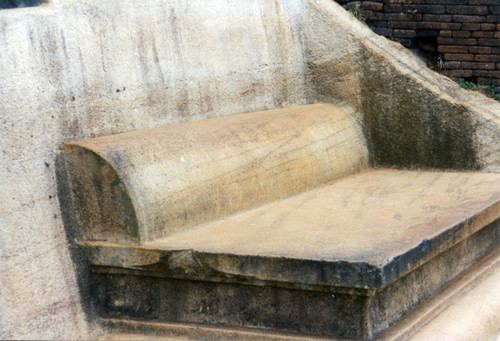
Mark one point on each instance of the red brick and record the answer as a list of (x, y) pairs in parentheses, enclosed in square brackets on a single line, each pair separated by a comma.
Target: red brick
[(452, 65), (446, 2), (497, 35), (476, 65), (393, 8), (487, 58), (498, 27), (401, 17), (436, 9), (453, 49), (471, 26), (459, 56), (386, 32), (406, 42), (473, 10), (373, 15), (445, 34), (460, 73), (487, 27), (488, 42), (352, 4), (372, 6), (483, 80), (483, 2), (461, 34), (403, 1), (482, 34), (437, 17), (468, 18), (427, 33), (456, 41), (498, 66), (404, 34), (493, 18), (378, 23), (486, 73), (402, 24), (479, 49), (488, 81), (424, 25)]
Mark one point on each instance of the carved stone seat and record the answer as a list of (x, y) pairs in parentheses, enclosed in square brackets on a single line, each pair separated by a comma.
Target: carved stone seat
[(270, 220)]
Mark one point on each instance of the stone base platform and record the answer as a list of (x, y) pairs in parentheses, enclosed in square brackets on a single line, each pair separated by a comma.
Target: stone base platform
[(345, 260), (467, 309)]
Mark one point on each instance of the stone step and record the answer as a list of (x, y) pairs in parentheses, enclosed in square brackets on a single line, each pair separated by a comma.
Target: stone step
[(466, 309), (345, 260)]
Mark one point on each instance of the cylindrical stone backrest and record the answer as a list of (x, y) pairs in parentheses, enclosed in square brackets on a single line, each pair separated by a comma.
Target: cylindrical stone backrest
[(144, 185)]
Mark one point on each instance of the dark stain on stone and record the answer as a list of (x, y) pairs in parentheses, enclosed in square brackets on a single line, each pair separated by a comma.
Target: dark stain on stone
[(408, 126), (112, 216), (126, 296), (116, 157), (6, 4)]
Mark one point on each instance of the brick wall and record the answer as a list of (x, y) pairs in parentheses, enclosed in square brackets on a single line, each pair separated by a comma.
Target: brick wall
[(462, 36)]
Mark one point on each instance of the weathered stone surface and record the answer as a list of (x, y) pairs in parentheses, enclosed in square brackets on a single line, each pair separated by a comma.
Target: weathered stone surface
[(378, 242), (467, 309), (152, 294), (366, 230), (144, 185), (73, 70), (399, 98), (391, 220), (474, 314)]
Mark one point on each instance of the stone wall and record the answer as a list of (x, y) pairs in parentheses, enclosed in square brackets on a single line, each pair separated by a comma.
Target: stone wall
[(75, 69), (463, 34)]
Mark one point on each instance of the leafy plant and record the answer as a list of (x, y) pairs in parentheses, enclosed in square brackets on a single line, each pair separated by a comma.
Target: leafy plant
[(471, 86), (491, 92), (488, 91)]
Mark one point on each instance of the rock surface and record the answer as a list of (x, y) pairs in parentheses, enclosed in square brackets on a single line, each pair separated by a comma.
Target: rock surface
[(71, 70)]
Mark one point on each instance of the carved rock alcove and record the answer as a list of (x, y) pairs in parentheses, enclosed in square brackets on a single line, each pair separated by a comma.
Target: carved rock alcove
[(270, 220)]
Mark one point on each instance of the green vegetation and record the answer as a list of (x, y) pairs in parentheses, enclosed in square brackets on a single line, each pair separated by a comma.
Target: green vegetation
[(488, 91), (471, 86), (359, 13)]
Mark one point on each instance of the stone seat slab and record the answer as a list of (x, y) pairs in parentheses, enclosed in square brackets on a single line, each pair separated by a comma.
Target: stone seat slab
[(363, 231), (351, 257)]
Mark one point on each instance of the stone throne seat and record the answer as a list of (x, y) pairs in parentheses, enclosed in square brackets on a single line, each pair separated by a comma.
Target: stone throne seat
[(272, 220), (123, 239)]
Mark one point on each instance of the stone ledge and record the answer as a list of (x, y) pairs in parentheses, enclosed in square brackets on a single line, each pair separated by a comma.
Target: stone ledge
[(362, 232), (345, 260), (130, 294), (468, 293)]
